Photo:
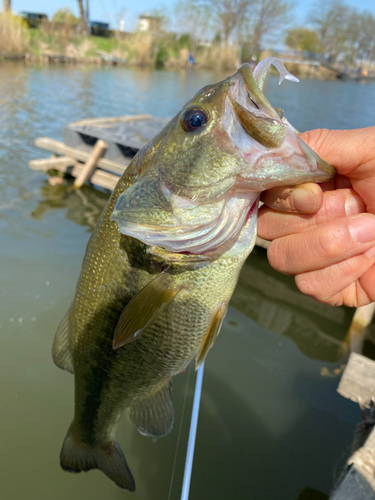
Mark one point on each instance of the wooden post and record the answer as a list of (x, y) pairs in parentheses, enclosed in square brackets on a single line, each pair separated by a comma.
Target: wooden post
[(355, 336), (90, 166)]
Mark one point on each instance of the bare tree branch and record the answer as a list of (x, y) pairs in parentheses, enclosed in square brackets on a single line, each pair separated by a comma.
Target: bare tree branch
[(193, 19), (230, 15), (269, 16)]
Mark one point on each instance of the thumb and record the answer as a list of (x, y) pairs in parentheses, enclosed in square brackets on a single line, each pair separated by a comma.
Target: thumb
[(304, 198)]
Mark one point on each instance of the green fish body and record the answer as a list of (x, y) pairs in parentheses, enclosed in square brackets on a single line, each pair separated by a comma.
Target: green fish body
[(164, 259)]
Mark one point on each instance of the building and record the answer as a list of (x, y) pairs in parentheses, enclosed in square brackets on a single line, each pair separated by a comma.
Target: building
[(149, 23)]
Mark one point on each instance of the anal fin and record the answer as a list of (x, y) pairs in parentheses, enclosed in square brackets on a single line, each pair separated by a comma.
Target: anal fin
[(154, 416), (211, 334), (144, 308), (60, 351)]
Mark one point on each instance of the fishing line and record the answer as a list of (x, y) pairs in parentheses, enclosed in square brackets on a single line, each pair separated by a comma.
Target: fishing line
[(192, 435), (179, 433)]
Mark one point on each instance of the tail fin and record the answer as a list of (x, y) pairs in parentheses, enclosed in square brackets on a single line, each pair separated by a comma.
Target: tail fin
[(76, 456)]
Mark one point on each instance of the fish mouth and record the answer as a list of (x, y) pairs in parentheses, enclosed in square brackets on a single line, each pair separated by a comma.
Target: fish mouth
[(260, 134)]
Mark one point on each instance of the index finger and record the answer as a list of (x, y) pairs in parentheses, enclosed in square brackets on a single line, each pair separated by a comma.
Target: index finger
[(351, 152)]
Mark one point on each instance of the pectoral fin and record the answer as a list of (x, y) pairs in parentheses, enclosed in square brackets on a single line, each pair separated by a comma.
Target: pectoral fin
[(144, 308), (211, 334), (154, 415), (60, 351)]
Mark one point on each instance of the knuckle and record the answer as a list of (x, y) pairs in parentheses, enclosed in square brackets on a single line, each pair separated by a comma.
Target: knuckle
[(276, 255), (333, 242), (326, 246), (306, 284), (309, 285)]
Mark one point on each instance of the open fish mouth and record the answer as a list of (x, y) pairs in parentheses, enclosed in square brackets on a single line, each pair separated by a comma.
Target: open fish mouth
[(200, 213)]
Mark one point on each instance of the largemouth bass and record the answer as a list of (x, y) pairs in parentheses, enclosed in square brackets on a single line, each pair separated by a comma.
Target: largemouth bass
[(164, 259)]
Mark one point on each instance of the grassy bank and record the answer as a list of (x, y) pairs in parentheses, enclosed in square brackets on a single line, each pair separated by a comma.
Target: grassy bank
[(136, 49)]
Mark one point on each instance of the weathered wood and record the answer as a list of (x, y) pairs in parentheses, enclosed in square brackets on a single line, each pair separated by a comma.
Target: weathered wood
[(357, 485), (60, 163), (111, 119), (99, 177), (77, 154), (91, 163), (358, 380), (355, 336), (53, 180), (358, 384)]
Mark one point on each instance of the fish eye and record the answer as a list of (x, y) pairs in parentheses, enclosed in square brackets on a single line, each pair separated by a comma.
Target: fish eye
[(194, 119)]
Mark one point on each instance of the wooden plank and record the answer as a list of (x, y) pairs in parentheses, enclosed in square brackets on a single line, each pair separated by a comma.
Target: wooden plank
[(60, 163), (357, 481), (90, 165), (111, 119), (358, 380), (357, 485), (99, 177), (60, 148)]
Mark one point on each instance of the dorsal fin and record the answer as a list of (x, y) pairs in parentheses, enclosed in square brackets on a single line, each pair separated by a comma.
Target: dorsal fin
[(144, 308), (211, 334), (154, 415), (60, 351)]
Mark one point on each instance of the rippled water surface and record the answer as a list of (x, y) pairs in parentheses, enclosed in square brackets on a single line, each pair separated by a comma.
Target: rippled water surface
[(271, 422)]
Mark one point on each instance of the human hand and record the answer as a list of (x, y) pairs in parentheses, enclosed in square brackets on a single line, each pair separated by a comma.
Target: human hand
[(325, 235)]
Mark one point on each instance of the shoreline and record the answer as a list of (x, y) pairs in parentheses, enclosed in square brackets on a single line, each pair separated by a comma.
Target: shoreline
[(107, 59)]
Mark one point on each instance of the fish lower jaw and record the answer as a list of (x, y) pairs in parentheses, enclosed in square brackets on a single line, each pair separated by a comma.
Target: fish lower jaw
[(215, 236)]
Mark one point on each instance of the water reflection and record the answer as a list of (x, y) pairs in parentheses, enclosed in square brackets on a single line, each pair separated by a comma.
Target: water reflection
[(82, 206), (273, 301)]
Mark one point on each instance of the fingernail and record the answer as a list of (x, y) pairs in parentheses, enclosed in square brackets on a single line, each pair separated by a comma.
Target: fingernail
[(351, 205), (362, 228), (304, 200)]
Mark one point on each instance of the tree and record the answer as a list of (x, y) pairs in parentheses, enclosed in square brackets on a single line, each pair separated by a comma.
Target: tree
[(361, 31), (7, 7), (83, 20), (230, 15), (330, 18), (268, 18), (303, 39), (192, 19), (66, 16)]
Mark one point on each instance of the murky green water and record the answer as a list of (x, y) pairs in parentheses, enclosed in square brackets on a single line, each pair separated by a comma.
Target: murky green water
[(271, 423)]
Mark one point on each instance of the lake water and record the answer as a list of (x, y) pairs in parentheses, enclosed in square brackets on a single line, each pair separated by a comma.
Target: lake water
[(271, 422)]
